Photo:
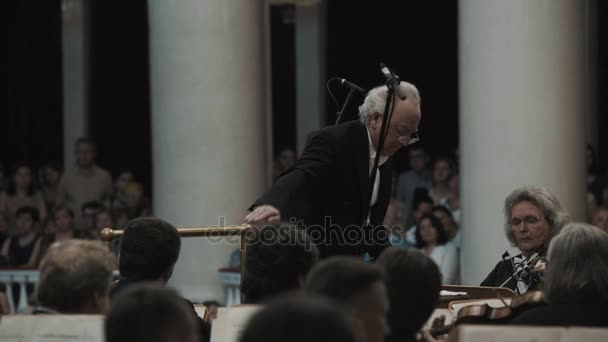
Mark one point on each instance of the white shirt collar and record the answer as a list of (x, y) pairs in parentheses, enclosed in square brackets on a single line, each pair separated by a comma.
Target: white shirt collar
[(372, 151)]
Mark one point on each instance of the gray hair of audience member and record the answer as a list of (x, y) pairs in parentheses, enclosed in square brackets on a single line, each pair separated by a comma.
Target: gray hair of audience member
[(300, 318), (413, 282), (546, 201), (149, 312), (75, 277), (570, 276), (278, 259), (375, 100), (344, 279)]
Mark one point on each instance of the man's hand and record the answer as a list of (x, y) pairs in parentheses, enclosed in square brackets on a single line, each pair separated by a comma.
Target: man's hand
[(263, 214)]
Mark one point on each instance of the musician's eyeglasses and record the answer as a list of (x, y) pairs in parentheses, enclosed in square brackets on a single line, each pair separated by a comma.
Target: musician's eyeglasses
[(530, 219)]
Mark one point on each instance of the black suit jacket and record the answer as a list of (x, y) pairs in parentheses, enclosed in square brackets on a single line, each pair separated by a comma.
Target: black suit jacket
[(326, 190)]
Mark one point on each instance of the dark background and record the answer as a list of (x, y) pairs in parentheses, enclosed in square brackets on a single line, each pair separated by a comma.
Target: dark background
[(417, 39)]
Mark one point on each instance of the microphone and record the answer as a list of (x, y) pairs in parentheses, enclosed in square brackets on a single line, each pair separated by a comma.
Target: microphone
[(352, 86), (392, 80)]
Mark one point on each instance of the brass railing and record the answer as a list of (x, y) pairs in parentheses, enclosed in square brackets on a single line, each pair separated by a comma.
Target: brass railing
[(109, 234)]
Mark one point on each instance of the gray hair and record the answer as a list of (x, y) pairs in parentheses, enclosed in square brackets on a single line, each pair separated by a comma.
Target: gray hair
[(570, 276), (546, 201), (376, 100), (72, 272)]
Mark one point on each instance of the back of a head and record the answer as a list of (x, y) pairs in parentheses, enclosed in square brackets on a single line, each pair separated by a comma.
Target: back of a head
[(278, 259), (148, 312), (413, 282), (577, 269), (300, 319), (343, 278), (149, 248), (75, 276)]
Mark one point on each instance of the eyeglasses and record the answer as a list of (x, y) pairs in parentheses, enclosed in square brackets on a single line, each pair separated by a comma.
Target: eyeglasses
[(530, 219), (405, 141)]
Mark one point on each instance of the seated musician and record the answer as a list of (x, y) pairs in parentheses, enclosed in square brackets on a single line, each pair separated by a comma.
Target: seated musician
[(533, 216), (576, 284), (413, 282)]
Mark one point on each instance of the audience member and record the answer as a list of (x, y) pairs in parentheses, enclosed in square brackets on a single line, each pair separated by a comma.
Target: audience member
[(136, 204), (395, 223), (21, 192), (75, 277), (104, 219), (149, 249), (413, 282), (4, 229), (597, 185), (452, 230), (119, 197), (86, 182), (600, 218), (418, 177), (286, 157), (576, 291), (422, 205), (88, 212), (357, 287), (148, 312), (432, 239), (442, 170), (278, 258), (533, 216), (22, 250), (63, 230), (300, 319), (49, 175), (452, 203)]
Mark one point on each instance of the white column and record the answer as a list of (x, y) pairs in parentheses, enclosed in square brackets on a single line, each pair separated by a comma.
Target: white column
[(521, 114), (208, 125), (75, 47), (310, 69)]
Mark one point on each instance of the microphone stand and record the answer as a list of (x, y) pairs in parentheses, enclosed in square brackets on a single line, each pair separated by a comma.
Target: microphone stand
[(386, 118), (344, 106)]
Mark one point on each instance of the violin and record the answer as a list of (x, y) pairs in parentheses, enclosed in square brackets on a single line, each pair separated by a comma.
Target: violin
[(485, 314)]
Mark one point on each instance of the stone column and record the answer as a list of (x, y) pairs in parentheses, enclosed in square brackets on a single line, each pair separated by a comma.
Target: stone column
[(208, 125), (75, 47), (522, 114), (310, 69)]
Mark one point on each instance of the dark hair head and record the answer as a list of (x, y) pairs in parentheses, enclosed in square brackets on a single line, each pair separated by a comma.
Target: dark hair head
[(343, 278), (151, 313), (73, 273), (421, 195), (413, 282), (442, 236), (148, 249), (444, 210), (33, 212), (300, 319), (278, 259), (12, 188)]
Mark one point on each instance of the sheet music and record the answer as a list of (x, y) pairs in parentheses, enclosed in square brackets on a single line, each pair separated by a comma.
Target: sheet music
[(231, 321), (52, 328)]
